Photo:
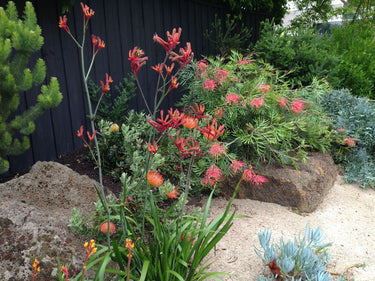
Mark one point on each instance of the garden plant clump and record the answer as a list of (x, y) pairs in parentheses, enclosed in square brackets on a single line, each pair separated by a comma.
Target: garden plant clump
[(145, 242), (266, 122)]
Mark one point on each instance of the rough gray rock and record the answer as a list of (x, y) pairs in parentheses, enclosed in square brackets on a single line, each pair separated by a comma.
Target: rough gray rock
[(34, 215), (303, 188)]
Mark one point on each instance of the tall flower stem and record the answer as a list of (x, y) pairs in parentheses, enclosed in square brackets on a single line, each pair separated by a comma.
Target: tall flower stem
[(92, 118)]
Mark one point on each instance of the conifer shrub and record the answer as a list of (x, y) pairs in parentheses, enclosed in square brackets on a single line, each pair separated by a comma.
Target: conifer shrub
[(355, 117), (19, 39)]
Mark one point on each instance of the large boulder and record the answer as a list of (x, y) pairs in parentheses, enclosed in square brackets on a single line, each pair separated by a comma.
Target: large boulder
[(303, 188), (34, 215)]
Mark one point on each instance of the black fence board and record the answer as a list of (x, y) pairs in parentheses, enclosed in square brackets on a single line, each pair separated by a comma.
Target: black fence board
[(122, 25)]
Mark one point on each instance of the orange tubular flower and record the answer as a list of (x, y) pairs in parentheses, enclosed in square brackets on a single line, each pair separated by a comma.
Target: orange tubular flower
[(152, 148), (176, 117), (158, 68), (94, 41), (211, 131), (62, 23), (154, 178), (91, 137), (36, 269), (173, 194), (185, 57), (173, 84), (198, 110), (161, 124), (136, 59), (88, 13), (101, 43), (105, 87), (169, 69), (189, 121), (173, 39), (80, 132)]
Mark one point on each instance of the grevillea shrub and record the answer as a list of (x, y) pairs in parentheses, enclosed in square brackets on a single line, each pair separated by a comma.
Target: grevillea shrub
[(265, 121)]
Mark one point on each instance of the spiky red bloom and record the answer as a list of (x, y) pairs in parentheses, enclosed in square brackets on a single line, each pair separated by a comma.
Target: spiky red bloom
[(297, 106), (257, 102), (212, 131), (185, 56), (212, 176), (173, 39), (136, 59), (62, 23), (154, 178)]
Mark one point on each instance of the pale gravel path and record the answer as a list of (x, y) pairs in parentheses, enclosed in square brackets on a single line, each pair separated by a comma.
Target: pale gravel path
[(347, 217)]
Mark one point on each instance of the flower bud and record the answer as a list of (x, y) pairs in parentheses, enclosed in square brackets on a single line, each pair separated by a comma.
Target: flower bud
[(104, 228), (114, 128)]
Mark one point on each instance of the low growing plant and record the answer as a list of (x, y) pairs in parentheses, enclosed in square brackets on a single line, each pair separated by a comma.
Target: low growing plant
[(304, 258), (354, 117)]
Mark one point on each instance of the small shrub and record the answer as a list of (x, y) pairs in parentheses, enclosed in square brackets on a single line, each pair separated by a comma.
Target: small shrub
[(356, 116), (302, 52), (265, 121), (301, 259)]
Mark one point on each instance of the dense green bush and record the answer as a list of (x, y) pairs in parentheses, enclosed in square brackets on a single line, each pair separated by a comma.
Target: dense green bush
[(356, 117), (354, 42), (301, 52), (265, 121)]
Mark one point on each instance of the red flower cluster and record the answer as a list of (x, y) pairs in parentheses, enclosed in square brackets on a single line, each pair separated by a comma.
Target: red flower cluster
[(232, 98), (212, 131), (297, 106), (257, 102), (136, 59), (173, 40), (212, 176), (221, 75), (91, 137), (96, 40), (185, 56), (209, 85), (187, 147), (172, 120), (105, 87)]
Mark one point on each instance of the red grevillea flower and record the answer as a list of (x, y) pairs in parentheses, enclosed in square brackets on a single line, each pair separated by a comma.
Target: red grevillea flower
[(259, 180), (282, 102), (237, 166), (217, 149), (265, 88), (87, 12), (185, 56), (212, 176), (154, 178), (248, 175), (189, 121), (202, 67), (297, 106), (211, 131), (351, 142), (173, 39), (244, 61), (209, 85), (198, 110), (173, 194), (136, 59), (161, 124), (105, 87), (221, 75), (152, 148), (62, 23), (257, 102), (232, 98), (219, 113), (104, 228)]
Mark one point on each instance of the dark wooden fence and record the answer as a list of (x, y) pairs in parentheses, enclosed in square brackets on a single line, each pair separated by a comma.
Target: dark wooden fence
[(122, 24)]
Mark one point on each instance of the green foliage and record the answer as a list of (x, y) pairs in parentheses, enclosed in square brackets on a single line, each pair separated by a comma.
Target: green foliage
[(231, 36), (19, 39), (258, 127), (354, 43), (113, 107), (312, 12), (304, 258), (300, 52), (357, 117)]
